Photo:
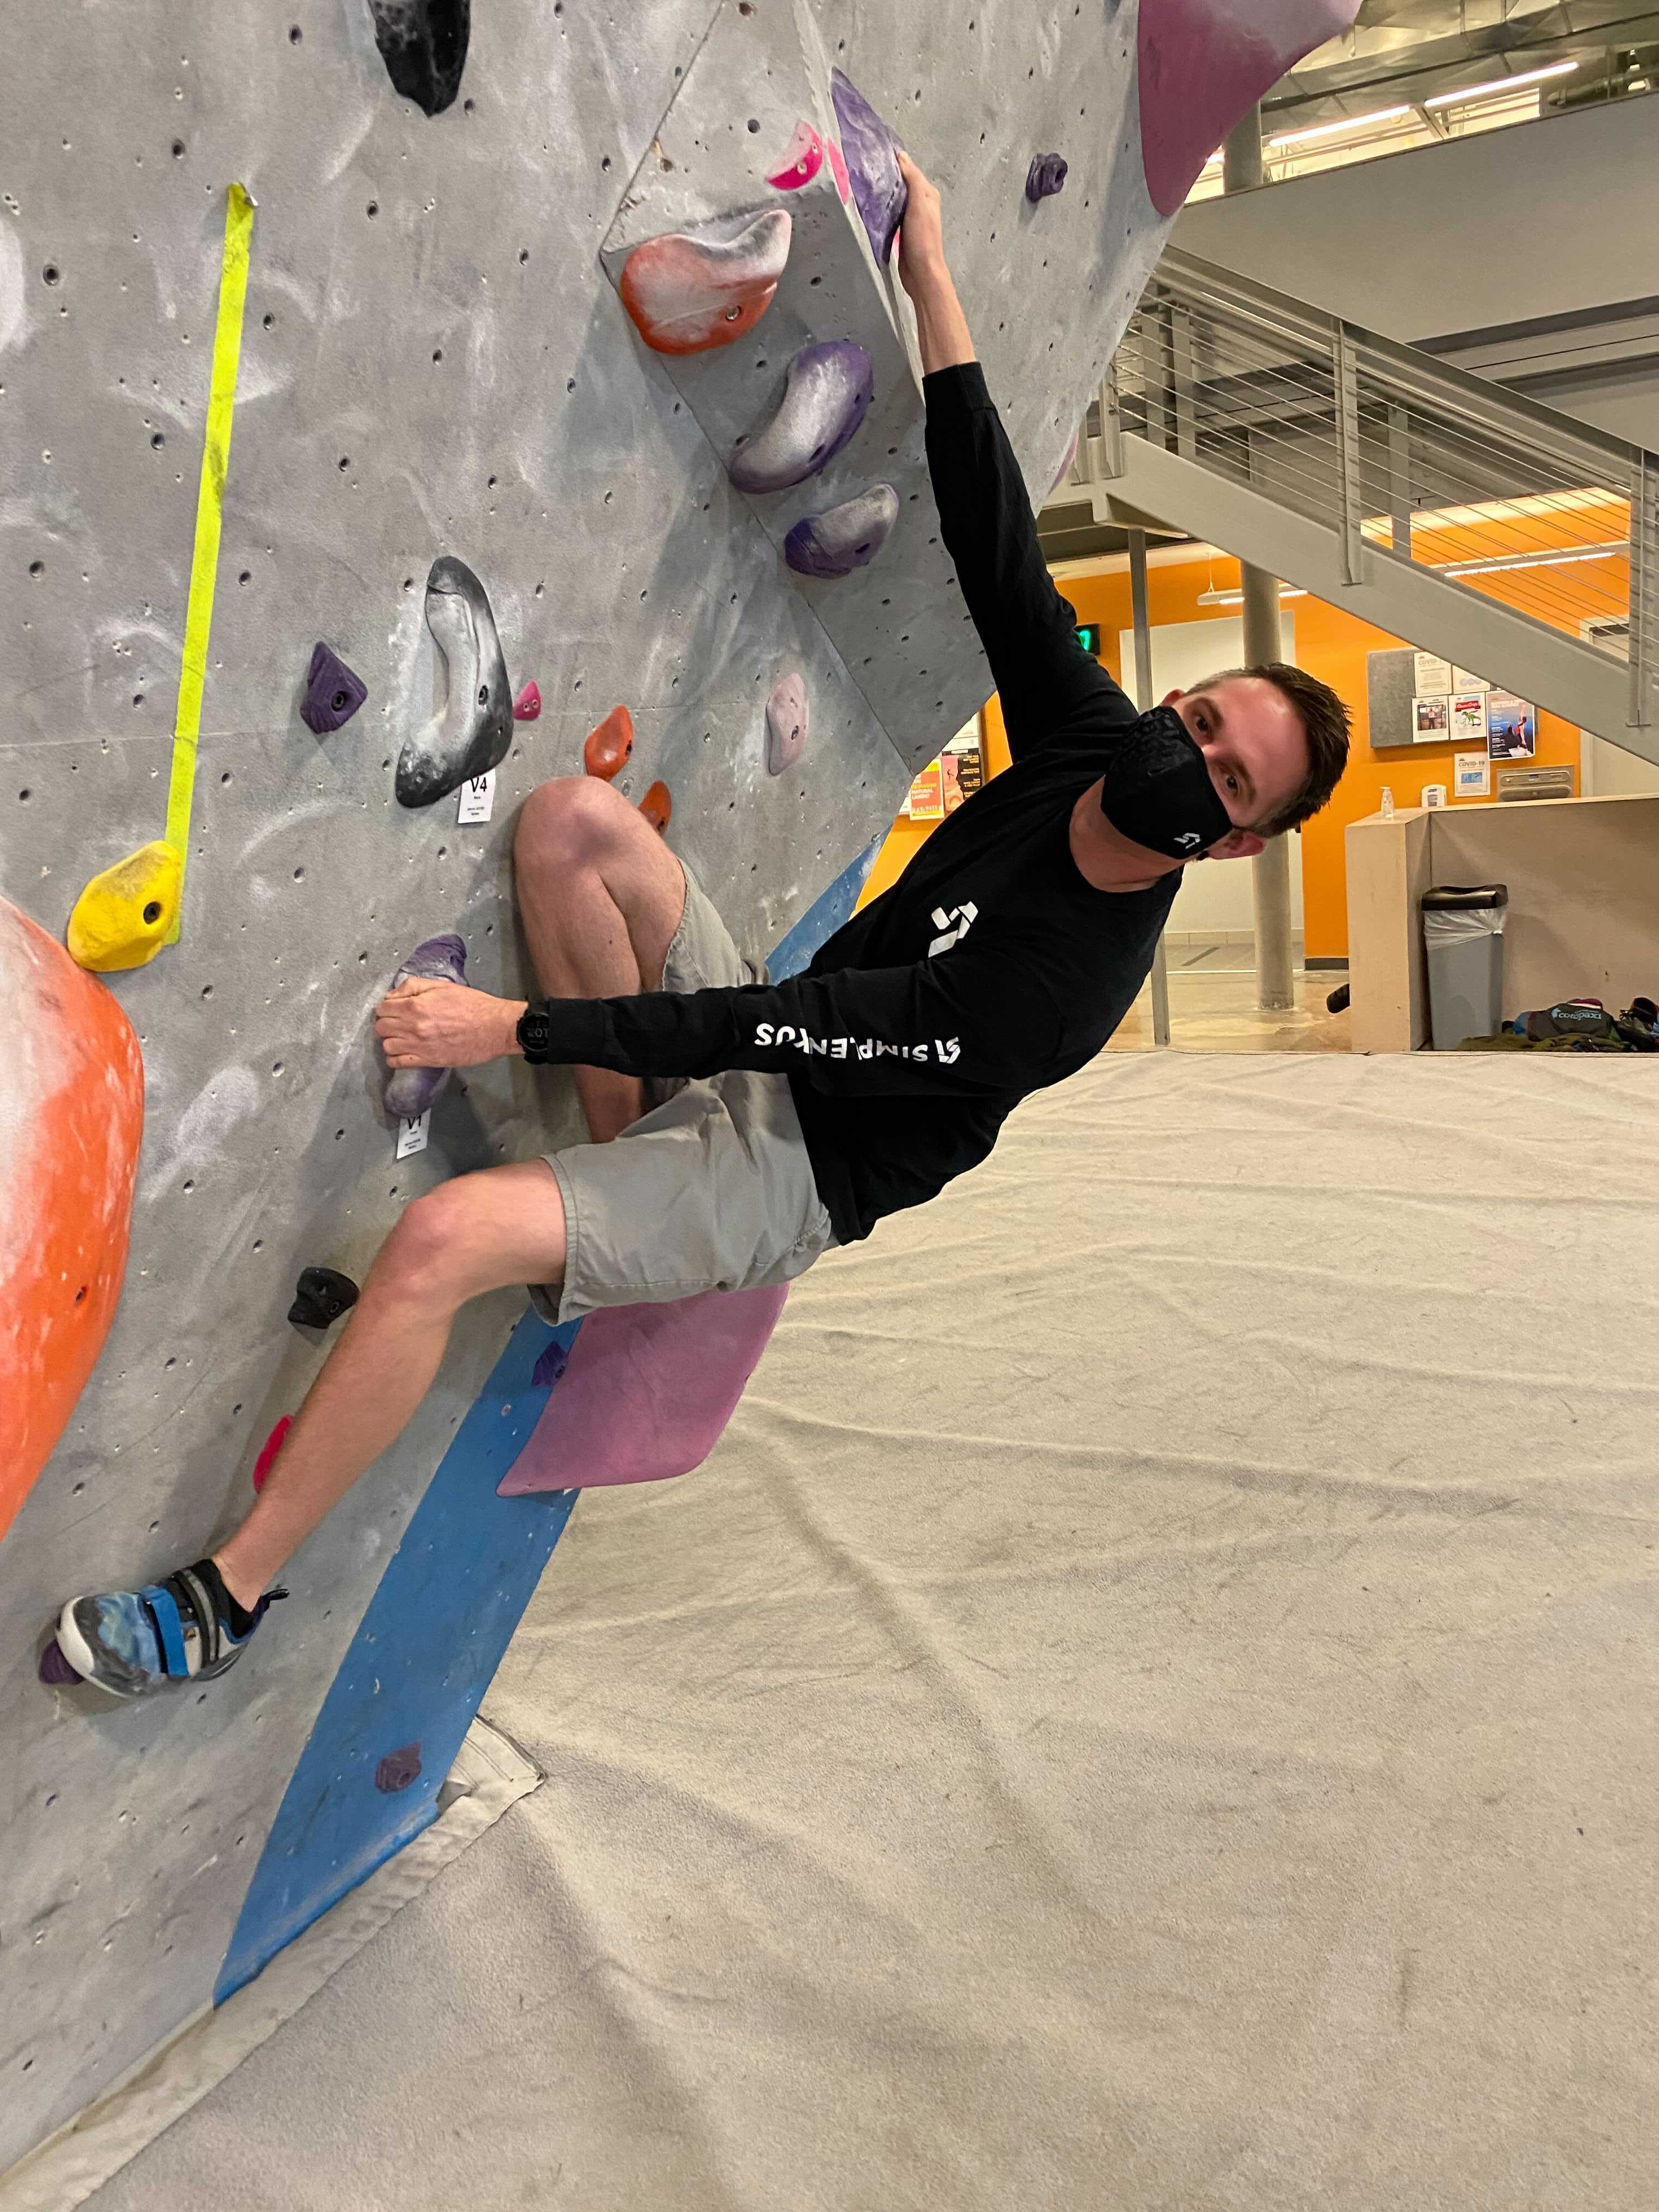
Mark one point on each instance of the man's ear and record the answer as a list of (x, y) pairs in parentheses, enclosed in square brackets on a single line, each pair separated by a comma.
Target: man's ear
[(1170, 698), (1238, 845)]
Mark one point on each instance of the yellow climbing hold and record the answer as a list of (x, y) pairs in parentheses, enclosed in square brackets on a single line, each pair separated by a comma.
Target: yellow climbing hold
[(123, 917)]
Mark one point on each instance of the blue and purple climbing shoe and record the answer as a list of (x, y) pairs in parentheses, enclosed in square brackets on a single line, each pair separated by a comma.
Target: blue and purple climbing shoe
[(185, 1628)]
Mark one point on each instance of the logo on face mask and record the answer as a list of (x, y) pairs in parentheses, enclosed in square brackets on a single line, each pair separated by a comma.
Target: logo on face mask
[(1188, 840)]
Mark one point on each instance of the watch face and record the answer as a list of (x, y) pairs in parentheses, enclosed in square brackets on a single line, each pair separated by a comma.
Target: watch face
[(534, 1030)]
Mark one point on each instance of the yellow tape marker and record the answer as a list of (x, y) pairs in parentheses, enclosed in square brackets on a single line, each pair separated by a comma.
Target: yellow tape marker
[(210, 505)]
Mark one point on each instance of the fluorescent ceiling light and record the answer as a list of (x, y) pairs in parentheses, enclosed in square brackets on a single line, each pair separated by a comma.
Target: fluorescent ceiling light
[(1615, 549), (1343, 123), (1499, 84), (1215, 598)]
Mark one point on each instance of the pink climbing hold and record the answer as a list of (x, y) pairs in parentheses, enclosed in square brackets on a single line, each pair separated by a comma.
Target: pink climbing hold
[(268, 1452), (1203, 63), (785, 724), (647, 1391), (528, 704), (690, 293), (838, 170), (803, 157)]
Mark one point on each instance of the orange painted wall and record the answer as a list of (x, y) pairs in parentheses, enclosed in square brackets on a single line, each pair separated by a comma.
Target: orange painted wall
[(1329, 644)]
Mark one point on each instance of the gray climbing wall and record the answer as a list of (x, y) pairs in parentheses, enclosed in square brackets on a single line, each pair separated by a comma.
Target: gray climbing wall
[(434, 359)]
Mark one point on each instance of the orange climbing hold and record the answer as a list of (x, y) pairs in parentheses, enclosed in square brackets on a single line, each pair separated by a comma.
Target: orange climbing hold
[(689, 294), (71, 1116), (658, 806), (606, 754)]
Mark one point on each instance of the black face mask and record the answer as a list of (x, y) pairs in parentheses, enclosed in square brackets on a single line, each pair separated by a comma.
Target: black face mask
[(1156, 789)]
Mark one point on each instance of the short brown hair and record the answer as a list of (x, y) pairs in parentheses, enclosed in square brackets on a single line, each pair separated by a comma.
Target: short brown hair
[(1325, 723)]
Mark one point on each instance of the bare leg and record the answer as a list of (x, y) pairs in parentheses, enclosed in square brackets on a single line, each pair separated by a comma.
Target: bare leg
[(601, 896), (478, 1233)]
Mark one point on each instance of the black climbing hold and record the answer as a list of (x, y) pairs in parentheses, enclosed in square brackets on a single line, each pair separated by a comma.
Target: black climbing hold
[(399, 1769), (423, 46), (55, 1671), (333, 693), (551, 1363), (320, 1297), (1045, 177)]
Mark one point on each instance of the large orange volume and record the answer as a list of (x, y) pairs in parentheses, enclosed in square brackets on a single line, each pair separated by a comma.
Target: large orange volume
[(71, 1116)]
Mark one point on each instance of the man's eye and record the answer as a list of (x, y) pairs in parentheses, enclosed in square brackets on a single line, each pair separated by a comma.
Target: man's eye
[(1233, 785)]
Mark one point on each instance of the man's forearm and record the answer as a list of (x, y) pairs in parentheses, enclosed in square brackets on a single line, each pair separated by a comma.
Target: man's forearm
[(941, 326)]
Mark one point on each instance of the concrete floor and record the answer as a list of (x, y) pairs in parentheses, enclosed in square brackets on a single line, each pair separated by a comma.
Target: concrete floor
[(1213, 1007)]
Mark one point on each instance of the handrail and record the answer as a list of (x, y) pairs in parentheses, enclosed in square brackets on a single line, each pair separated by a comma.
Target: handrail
[(1401, 457)]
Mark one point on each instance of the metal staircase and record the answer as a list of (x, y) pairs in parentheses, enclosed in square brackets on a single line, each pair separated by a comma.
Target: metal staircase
[(1442, 508)]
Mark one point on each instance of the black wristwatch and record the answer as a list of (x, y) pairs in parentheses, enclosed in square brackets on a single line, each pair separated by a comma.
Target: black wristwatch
[(535, 1032)]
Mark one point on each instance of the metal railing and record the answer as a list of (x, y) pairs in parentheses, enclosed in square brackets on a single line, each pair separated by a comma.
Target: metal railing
[(1401, 457)]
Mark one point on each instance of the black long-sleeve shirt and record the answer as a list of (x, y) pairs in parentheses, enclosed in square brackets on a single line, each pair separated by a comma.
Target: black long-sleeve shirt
[(992, 967)]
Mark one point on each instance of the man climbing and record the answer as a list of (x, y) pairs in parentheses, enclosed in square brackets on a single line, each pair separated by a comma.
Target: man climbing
[(800, 1113)]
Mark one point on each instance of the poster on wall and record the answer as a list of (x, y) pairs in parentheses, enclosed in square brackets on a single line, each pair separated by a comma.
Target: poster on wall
[(1471, 775), (927, 800), (1468, 714), (1430, 718), (1511, 727), (950, 779), (1431, 673), (970, 770)]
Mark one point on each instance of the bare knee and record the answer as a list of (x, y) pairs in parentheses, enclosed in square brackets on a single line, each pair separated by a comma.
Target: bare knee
[(572, 821), (425, 1259)]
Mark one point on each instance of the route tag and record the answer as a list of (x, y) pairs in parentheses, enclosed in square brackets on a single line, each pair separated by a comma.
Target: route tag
[(477, 799), (412, 1135)]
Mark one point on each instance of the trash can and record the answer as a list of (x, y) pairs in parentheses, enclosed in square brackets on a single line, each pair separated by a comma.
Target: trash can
[(1463, 940)]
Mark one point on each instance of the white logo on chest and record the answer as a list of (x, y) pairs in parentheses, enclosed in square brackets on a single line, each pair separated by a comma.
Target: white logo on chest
[(964, 917)]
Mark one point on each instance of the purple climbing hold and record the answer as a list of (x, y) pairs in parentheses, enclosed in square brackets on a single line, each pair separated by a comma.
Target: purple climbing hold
[(333, 693), (785, 724), (649, 1390), (527, 707), (551, 1363), (1045, 177), (411, 1091), (871, 153), (399, 1769), (827, 396), (423, 46), (842, 538), (54, 1670)]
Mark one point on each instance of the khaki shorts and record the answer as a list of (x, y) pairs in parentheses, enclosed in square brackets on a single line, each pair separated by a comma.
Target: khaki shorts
[(710, 1190)]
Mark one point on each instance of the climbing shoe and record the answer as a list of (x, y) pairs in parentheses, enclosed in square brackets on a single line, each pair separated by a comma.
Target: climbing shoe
[(185, 1628)]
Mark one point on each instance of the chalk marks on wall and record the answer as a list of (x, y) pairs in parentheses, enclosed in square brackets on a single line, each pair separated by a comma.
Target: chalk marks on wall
[(71, 1116)]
